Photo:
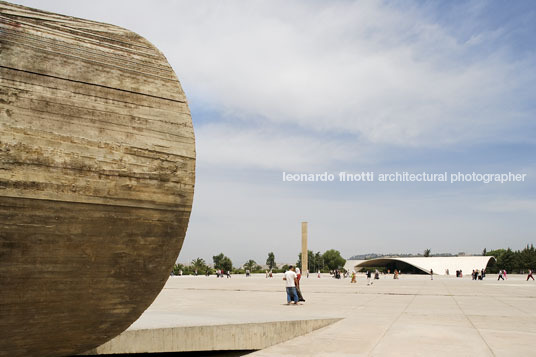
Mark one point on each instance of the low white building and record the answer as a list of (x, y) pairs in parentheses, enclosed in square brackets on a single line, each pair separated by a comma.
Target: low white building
[(438, 264)]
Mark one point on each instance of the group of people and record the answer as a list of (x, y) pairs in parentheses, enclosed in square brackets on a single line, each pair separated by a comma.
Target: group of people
[(220, 273), (502, 275), (292, 278), (369, 276), (478, 274), (369, 273), (335, 273)]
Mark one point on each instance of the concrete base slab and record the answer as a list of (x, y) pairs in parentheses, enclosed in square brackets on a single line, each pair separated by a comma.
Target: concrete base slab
[(251, 336)]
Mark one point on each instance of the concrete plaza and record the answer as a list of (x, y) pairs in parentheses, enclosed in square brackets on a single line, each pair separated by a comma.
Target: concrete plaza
[(412, 316)]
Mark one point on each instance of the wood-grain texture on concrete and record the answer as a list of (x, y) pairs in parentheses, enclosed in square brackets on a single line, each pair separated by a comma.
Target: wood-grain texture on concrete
[(97, 170)]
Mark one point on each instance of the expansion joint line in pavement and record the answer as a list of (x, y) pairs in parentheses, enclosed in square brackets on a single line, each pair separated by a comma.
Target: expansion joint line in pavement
[(513, 306), (392, 323), (468, 319)]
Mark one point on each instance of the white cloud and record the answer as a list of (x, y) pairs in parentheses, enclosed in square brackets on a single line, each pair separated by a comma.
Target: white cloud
[(380, 73), (510, 205), (364, 68), (236, 147)]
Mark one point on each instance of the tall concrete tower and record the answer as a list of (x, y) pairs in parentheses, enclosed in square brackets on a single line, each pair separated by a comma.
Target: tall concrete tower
[(304, 252)]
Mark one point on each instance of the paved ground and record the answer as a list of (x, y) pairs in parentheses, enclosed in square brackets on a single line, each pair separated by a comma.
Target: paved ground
[(412, 316)]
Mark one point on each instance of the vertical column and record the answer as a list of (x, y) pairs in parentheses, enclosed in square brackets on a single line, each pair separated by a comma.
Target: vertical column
[(304, 253)]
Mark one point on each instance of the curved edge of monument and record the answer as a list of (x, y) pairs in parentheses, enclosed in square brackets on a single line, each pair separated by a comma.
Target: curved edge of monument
[(97, 173)]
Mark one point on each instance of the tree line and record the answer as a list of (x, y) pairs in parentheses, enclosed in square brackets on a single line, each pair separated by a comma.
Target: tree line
[(513, 261), (330, 260)]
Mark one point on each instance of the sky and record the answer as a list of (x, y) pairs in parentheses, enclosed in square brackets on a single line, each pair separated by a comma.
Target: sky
[(348, 86)]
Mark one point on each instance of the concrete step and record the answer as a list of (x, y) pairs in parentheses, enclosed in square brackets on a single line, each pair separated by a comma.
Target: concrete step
[(245, 336)]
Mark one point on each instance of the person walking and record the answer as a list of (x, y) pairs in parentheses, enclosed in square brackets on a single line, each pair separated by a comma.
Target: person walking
[(395, 276), (431, 274), (500, 275), (354, 277), (369, 275), (291, 281), (530, 275), (318, 274)]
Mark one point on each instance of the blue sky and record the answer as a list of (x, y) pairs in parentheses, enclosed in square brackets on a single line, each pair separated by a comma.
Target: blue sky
[(314, 86)]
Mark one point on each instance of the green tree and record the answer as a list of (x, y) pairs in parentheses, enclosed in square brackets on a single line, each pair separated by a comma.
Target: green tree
[(319, 261), (217, 260), (311, 263), (177, 267), (493, 267), (199, 264), (531, 261), (271, 261), (298, 262), (518, 261), (507, 260), (427, 252), (496, 253), (227, 264), (250, 264), (222, 262), (310, 260), (332, 258)]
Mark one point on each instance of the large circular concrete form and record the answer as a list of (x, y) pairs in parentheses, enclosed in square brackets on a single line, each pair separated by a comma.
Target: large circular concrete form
[(97, 169)]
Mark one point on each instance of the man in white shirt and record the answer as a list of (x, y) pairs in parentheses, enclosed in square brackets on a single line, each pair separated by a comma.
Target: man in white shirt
[(291, 281)]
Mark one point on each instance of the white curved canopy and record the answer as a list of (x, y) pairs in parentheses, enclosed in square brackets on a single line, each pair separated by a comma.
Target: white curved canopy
[(438, 264)]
